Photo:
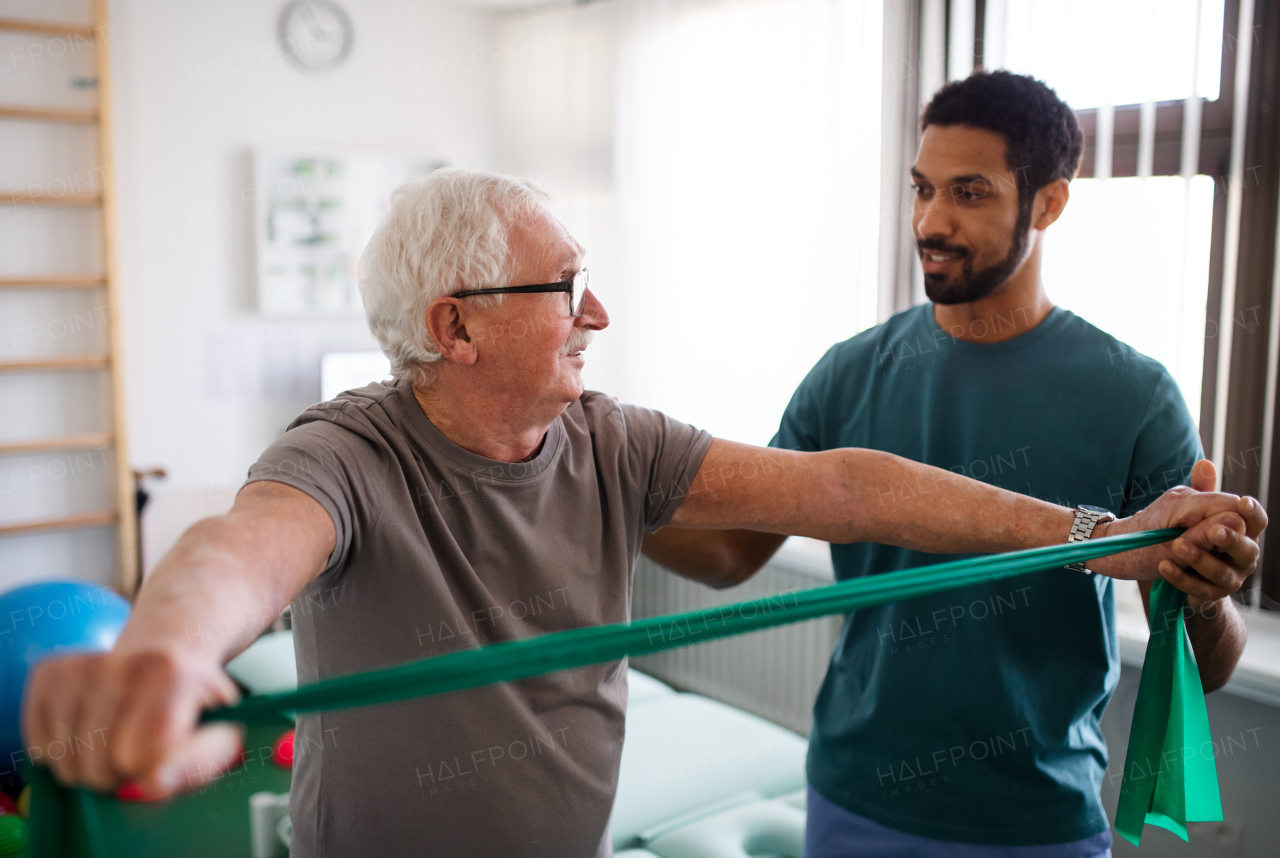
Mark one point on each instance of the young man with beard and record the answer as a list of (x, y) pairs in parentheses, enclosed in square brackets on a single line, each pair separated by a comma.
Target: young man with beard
[(967, 723)]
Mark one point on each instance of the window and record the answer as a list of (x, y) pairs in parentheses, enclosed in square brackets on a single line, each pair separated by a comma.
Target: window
[(1170, 239), (747, 161), (1110, 52), (1131, 252)]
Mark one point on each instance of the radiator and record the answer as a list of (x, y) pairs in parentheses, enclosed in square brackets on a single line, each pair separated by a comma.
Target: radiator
[(773, 673)]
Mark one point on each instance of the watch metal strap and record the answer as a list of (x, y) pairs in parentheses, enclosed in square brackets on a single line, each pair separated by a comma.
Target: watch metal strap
[(1082, 529)]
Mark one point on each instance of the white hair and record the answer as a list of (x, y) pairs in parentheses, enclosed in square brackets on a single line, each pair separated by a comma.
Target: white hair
[(444, 234)]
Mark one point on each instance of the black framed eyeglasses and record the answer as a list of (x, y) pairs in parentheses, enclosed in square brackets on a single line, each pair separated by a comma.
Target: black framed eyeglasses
[(575, 286)]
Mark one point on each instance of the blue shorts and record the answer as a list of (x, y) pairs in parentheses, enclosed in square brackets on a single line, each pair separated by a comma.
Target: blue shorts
[(833, 832)]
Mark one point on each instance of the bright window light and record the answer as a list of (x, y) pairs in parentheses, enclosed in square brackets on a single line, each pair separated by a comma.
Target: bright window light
[(748, 179), (1130, 255), (1114, 52), (1118, 257)]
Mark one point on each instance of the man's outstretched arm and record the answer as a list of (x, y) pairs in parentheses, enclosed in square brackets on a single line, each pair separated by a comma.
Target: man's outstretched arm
[(221, 585), (855, 495)]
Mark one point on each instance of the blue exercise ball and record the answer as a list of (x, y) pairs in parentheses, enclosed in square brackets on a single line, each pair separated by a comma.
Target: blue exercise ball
[(40, 620)]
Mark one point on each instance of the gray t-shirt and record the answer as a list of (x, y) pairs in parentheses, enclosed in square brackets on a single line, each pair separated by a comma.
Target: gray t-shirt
[(438, 550)]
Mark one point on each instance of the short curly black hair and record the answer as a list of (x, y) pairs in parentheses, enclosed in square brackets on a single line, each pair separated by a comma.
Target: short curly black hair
[(1042, 137)]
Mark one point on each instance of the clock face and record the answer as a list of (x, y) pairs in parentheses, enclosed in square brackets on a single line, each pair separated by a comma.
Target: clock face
[(317, 32)]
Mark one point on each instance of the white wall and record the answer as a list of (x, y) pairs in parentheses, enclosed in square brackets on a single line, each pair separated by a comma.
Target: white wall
[(198, 86)]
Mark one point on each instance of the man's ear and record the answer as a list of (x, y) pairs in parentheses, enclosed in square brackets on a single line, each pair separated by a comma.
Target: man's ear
[(1049, 203), (446, 323)]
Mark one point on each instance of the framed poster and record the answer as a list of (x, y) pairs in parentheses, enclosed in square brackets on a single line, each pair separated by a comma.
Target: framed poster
[(315, 213)]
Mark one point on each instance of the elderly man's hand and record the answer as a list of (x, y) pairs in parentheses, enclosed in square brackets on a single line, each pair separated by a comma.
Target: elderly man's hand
[(130, 718), (129, 722), (1216, 554)]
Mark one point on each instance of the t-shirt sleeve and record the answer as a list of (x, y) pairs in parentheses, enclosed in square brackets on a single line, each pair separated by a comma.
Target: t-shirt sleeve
[(1166, 449), (338, 469), (801, 427), (663, 456)]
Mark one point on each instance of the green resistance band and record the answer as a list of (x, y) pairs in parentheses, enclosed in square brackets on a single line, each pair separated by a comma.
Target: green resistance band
[(1170, 712), (521, 659), (1169, 772)]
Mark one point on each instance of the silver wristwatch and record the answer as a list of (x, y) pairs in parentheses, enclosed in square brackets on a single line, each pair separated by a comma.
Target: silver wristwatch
[(1087, 518)]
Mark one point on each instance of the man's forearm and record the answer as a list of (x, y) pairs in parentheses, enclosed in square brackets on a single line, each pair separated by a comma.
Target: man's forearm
[(929, 509), (199, 598), (855, 495), (901, 502), (230, 576)]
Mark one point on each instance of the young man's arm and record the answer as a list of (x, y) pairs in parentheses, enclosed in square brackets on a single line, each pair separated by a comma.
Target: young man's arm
[(854, 495), (225, 581)]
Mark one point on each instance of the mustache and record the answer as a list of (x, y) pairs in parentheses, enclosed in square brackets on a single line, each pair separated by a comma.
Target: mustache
[(941, 246), (578, 340)]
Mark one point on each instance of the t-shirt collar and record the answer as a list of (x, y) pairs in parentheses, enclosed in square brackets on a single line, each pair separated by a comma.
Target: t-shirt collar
[(1047, 327), (427, 432)]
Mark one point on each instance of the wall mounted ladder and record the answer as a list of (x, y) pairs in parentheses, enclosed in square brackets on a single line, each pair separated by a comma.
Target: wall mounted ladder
[(51, 368)]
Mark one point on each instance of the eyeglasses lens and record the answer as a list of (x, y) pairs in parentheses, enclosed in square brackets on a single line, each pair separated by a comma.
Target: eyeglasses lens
[(578, 298)]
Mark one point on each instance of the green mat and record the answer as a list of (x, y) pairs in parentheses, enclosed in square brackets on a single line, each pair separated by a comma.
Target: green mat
[(1169, 712)]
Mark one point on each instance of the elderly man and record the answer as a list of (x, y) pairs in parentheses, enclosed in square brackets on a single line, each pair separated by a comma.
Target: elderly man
[(483, 496)]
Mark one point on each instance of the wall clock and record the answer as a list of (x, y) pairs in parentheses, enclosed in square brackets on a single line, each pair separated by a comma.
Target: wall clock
[(315, 34)]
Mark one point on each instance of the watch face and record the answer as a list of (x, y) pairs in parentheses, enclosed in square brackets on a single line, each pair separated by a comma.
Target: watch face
[(315, 34), (1090, 508)]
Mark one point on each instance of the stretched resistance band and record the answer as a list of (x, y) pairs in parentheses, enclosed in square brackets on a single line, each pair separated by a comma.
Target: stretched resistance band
[(521, 659), (1162, 785)]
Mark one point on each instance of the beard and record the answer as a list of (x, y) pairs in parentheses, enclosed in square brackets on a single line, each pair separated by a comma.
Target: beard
[(975, 285)]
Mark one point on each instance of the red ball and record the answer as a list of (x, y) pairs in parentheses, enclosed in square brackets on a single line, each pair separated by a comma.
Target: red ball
[(282, 750), (7, 805)]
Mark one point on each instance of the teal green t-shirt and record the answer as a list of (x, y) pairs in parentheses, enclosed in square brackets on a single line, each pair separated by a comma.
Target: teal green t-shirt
[(972, 715)]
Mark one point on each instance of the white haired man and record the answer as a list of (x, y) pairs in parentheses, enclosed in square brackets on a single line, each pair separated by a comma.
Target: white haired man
[(483, 496)]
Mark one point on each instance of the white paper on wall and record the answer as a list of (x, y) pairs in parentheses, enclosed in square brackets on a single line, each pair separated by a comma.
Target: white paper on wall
[(315, 213)]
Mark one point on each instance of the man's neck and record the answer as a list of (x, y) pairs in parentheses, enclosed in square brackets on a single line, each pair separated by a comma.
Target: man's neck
[(1014, 308), (486, 427)]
